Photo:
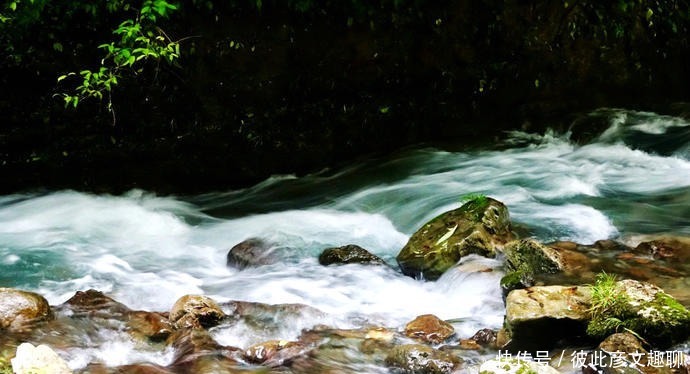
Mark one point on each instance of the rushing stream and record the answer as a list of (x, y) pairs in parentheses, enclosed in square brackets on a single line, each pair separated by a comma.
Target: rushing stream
[(146, 251)]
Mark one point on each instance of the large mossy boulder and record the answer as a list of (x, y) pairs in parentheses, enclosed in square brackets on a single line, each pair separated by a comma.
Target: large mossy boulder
[(480, 226), (19, 309), (539, 317), (640, 307)]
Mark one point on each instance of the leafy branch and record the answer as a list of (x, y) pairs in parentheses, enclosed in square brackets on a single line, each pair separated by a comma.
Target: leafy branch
[(140, 41)]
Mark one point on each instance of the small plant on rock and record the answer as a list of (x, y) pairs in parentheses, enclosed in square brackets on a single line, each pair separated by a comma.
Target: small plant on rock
[(608, 306)]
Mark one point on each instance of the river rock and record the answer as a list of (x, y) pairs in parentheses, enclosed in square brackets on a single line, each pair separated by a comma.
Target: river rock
[(92, 303), (149, 325), (253, 252), (197, 352), (515, 366), (349, 254), (195, 311), (41, 359), (539, 317), (19, 309), (672, 249), (429, 328), (630, 357), (145, 368), (648, 311), (421, 359), (480, 226), (485, 338), (524, 260), (274, 352)]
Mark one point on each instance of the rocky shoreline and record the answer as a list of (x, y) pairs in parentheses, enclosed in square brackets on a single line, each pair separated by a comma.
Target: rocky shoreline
[(613, 308)]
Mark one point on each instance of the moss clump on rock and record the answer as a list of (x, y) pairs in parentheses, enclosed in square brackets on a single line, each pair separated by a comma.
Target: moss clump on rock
[(639, 307)]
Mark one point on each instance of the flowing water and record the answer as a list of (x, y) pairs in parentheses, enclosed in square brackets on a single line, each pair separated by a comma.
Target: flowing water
[(146, 251)]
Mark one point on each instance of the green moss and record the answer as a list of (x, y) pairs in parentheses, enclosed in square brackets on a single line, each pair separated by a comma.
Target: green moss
[(516, 280), (661, 321), (475, 205)]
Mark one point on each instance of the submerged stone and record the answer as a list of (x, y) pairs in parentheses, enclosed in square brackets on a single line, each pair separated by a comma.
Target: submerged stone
[(196, 311), (149, 325), (480, 226), (421, 359), (349, 254), (671, 248), (253, 252), (539, 317), (274, 352), (429, 328), (19, 309), (197, 352)]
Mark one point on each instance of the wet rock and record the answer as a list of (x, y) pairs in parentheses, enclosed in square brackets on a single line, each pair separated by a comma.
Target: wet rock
[(611, 245), (19, 309), (194, 311), (149, 325), (269, 320), (92, 303), (197, 352), (524, 260), (485, 337), (515, 366), (341, 351), (480, 226), (672, 249), (274, 353), (421, 359), (349, 254), (645, 309), (253, 252), (98, 368), (41, 359), (620, 353), (539, 317), (429, 328), (622, 342), (469, 345)]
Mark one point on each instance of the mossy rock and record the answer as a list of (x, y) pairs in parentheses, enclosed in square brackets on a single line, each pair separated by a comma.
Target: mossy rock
[(648, 311), (526, 259), (480, 226)]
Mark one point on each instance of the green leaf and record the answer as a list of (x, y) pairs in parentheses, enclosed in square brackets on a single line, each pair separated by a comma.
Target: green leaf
[(13, 5)]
